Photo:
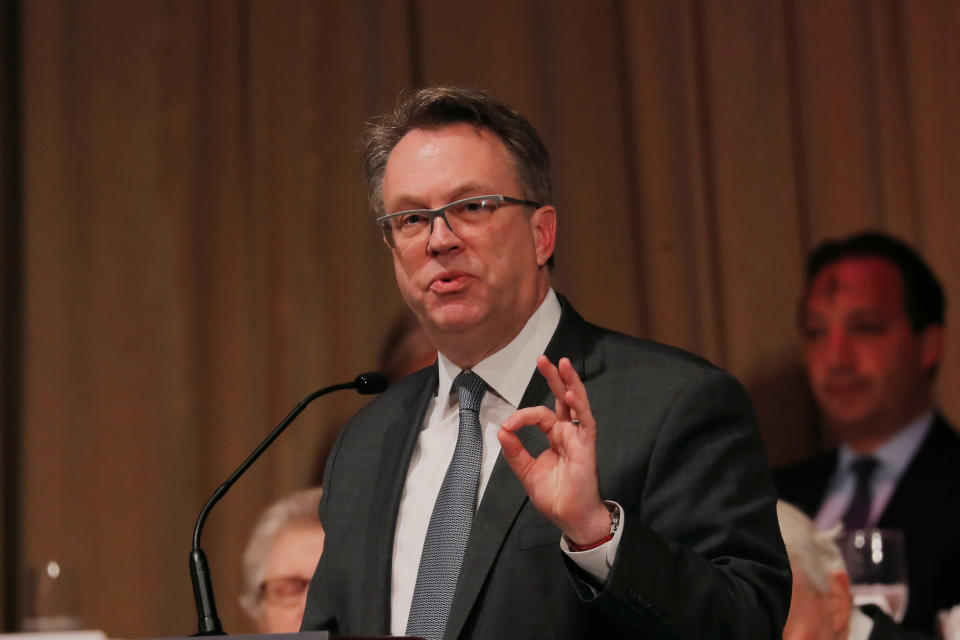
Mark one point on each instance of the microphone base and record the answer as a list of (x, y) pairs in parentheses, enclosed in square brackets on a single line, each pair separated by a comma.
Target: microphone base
[(208, 622)]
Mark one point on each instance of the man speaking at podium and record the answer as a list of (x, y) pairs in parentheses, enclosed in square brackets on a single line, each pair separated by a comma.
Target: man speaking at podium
[(636, 502)]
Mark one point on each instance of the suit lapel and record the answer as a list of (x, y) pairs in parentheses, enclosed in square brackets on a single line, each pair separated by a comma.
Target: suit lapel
[(916, 480), (504, 495), (398, 446)]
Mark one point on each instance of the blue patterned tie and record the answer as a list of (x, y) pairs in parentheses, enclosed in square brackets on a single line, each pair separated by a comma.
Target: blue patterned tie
[(452, 517)]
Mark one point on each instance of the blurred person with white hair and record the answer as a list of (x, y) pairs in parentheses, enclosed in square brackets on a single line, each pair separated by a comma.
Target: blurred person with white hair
[(821, 606), (279, 560)]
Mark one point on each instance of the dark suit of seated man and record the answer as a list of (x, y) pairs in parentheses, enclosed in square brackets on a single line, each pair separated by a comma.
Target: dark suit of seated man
[(609, 488), (872, 324)]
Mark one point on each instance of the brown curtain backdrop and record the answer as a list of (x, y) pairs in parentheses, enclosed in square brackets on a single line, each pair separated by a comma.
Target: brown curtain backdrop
[(198, 256)]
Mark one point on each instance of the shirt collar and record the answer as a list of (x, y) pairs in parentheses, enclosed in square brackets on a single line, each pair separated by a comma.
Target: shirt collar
[(897, 452), (508, 371)]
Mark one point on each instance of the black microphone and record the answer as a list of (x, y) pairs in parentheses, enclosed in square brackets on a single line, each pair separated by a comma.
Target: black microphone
[(208, 622)]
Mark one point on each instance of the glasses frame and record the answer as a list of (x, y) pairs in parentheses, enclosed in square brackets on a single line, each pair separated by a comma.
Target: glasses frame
[(441, 212)]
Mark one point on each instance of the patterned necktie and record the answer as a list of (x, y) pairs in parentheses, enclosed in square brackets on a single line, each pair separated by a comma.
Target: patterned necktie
[(452, 517), (859, 510)]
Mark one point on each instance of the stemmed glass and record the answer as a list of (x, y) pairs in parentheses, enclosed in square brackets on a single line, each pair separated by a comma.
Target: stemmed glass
[(877, 564)]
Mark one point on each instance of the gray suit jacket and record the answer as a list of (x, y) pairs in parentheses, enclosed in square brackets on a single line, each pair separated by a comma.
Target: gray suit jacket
[(700, 554)]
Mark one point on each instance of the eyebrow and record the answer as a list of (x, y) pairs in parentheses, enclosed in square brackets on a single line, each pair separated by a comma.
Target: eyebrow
[(857, 313)]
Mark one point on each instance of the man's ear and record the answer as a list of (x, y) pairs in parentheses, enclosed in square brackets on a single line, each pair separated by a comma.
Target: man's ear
[(840, 602), (543, 222), (931, 346)]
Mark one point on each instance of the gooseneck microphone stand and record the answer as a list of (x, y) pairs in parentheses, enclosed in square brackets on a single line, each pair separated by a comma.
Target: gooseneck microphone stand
[(208, 622)]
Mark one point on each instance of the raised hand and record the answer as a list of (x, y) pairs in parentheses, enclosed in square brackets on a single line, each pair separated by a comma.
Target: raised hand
[(562, 480)]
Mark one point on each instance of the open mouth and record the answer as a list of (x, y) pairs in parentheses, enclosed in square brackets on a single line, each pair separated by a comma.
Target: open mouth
[(448, 283), (846, 388)]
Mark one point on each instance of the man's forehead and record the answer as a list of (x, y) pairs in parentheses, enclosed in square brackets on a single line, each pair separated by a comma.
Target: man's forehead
[(453, 158), (862, 281), (430, 142)]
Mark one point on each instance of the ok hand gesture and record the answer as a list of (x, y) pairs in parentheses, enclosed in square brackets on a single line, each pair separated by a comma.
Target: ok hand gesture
[(562, 480)]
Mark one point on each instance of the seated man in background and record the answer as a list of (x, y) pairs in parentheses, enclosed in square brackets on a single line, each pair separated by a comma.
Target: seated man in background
[(872, 320), (821, 607), (279, 561)]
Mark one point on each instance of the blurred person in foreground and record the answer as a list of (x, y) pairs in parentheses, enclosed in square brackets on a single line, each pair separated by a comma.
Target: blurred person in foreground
[(821, 607), (279, 560), (609, 488), (872, 322), (406, 348)]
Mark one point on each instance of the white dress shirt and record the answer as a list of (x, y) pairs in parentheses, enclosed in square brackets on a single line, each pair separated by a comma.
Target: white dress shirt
[(893, 458), (507, 374)]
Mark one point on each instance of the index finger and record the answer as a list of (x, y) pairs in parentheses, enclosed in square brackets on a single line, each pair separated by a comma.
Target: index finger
[(552, 375)]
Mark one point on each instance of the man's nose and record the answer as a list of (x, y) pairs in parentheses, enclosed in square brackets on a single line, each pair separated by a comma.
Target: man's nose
[(442, 238), (840, 350)]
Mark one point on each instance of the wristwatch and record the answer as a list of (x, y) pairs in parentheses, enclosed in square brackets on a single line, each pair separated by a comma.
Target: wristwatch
[(614, 525)]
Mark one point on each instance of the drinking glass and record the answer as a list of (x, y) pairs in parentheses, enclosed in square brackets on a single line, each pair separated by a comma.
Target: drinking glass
[(877, 564), (51, 599)]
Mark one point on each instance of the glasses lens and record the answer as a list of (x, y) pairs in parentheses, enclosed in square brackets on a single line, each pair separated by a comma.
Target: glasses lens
[(470, 216), (407, 226)]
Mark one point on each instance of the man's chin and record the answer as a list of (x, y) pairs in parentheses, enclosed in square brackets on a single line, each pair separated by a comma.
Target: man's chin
[(851, 426), (846, 407), (454, 318)]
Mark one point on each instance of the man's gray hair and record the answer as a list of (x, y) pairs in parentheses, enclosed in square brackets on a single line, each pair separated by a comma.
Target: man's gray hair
[(812, 552), (440, 106), (299, 508)]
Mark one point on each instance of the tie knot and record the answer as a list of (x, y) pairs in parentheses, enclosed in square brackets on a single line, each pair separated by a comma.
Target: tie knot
[(864, 467), (470, 389)]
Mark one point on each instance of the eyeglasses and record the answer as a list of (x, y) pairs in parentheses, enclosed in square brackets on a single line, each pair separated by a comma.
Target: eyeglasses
[(284, 591), (467, 218)]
